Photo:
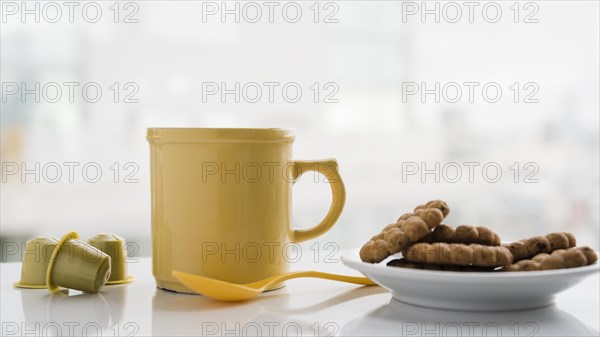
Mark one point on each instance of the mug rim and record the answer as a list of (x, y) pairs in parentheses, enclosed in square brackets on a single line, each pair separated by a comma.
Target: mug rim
[(246, 135)]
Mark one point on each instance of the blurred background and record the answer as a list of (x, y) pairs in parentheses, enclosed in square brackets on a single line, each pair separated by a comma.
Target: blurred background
[(79, 91)]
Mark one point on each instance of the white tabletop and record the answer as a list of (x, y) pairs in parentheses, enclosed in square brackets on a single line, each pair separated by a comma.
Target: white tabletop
[(304, 307)]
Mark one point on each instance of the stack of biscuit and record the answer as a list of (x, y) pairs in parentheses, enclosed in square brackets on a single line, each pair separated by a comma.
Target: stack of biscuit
[(426, 243)]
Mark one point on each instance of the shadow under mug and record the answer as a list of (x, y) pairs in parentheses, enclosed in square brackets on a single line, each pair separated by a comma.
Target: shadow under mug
[(222, 199)]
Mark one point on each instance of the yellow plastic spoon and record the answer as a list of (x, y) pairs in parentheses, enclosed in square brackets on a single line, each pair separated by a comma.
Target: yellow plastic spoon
[(233, 292)]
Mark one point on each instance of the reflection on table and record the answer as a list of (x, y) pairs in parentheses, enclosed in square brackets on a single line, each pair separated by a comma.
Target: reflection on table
[(400, 319), (69, 312)]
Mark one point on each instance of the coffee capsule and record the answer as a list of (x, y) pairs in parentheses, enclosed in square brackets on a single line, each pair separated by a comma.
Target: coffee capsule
[(36, 258), (77, 265), (115, 247)]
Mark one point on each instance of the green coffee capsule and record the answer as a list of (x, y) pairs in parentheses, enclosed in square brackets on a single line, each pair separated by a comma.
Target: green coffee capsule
[(77, 265), (115, 247), (36, 259)]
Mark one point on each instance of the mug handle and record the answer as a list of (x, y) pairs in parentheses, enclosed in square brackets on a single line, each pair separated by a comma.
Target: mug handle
[(328, 168)]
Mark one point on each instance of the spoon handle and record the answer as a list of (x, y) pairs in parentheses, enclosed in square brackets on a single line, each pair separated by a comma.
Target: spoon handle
[(315, 274)]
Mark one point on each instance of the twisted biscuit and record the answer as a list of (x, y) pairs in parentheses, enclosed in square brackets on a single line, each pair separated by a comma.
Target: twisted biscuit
[(409, 228), (559, 259), (404, 263), (458, 254), (528, 248), (463, 234)]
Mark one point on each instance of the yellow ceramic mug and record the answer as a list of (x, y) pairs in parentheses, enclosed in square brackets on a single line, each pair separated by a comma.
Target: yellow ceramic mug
[(221, 202)]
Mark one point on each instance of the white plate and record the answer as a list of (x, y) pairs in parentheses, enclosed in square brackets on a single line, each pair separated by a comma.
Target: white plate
[(470, 290)]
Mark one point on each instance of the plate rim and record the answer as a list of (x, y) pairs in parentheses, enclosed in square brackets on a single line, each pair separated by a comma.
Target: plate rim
[(350, 257)]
